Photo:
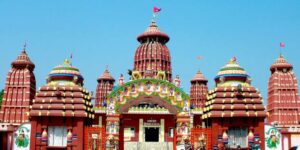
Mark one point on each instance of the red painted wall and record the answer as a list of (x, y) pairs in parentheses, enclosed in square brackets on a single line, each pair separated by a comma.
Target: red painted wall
[(220, 124), (76, 125), (132, 120)]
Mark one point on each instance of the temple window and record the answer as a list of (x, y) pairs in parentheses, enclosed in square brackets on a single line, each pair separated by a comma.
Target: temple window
[(57, 136)]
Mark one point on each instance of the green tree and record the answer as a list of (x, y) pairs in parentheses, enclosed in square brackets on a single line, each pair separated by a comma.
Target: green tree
[(1, 96)]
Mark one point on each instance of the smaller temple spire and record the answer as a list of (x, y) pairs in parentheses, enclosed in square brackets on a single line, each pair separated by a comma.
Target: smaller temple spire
[(199, 77), (121, 80), (177, 81), (198, 90), (23, 60), (106, 75), (280, 63), (104, 87)]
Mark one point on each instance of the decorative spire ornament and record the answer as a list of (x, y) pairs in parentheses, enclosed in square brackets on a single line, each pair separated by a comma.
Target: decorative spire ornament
[(24, 46), (121, 80)]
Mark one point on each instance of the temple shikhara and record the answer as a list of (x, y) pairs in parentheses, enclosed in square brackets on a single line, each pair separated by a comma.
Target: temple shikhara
[(283, 102), (150, 111)]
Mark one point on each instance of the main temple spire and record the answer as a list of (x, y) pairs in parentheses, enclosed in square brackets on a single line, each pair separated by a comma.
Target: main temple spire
[(153, 52)]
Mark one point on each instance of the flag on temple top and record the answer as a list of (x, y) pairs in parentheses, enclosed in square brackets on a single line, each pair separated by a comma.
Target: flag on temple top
[(200, 57), (156, 10), (234, 59), (71, 56), (281, 44)]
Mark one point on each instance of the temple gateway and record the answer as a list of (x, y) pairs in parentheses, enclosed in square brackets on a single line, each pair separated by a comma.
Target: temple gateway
[(150, 111)]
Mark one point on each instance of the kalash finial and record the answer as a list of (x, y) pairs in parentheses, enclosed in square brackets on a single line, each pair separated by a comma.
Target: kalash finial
[(106, 68), (67, 62), (156, 10)]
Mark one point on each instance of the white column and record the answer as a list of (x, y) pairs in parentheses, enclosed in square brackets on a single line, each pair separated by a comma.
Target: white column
[(162, 130), (100, 121), (141, 130)]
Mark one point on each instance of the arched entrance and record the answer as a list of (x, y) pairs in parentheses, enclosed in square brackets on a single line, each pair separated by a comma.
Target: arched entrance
[(147, 121), (147, 112)]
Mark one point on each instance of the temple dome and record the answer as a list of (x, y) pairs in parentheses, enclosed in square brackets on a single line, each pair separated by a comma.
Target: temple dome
[(199, 77), (23, 61), (280, 63), (232, 74), (153, 31), (65, 74), (153, 53)]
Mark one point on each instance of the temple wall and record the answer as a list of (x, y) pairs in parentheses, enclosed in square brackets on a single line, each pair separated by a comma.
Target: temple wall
[(133, 120), (76, 125), (218, 126)]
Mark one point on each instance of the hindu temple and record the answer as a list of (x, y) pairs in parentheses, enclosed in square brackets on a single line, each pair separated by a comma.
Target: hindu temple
[(19, 91), (148, 111), (283, 102), (234, 109)]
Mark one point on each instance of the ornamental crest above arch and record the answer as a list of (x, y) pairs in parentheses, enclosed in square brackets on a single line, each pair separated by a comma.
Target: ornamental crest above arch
[(163, 89)]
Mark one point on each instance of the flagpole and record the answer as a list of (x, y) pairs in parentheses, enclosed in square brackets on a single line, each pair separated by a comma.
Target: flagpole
[(71, 56), (281, 46), (279, 50), (200, 58)]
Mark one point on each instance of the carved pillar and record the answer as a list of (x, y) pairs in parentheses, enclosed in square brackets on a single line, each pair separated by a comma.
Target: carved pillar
[(183, 129), (162, 131), (112, 131)]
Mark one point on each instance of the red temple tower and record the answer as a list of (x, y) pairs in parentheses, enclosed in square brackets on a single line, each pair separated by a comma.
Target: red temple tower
[(153, 54), (198, 90), (18, 94), (61, 110), (283, 99), (104, 87), (234, 110)]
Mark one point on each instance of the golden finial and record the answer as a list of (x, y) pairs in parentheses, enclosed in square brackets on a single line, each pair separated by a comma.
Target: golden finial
[(66, 62)]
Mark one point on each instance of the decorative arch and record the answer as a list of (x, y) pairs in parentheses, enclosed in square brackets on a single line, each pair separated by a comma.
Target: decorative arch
[(148, 99), (162, 92), (156, 90)]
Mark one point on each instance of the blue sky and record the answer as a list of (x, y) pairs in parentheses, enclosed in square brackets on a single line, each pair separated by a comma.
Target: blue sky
[(100, 33)]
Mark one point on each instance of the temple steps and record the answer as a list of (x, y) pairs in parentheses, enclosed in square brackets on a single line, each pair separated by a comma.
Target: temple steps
[(148, 145)]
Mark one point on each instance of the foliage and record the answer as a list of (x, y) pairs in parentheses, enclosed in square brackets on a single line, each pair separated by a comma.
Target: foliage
[(1, 96)]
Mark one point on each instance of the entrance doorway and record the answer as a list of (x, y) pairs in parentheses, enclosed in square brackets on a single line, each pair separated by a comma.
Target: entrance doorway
[(151, 134)]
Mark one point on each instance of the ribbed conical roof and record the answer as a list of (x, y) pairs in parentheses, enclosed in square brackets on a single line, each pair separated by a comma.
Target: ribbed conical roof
[(199, 77), (280, 63), (23, 61), (106, 76), (153, 53), (153, 31)]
